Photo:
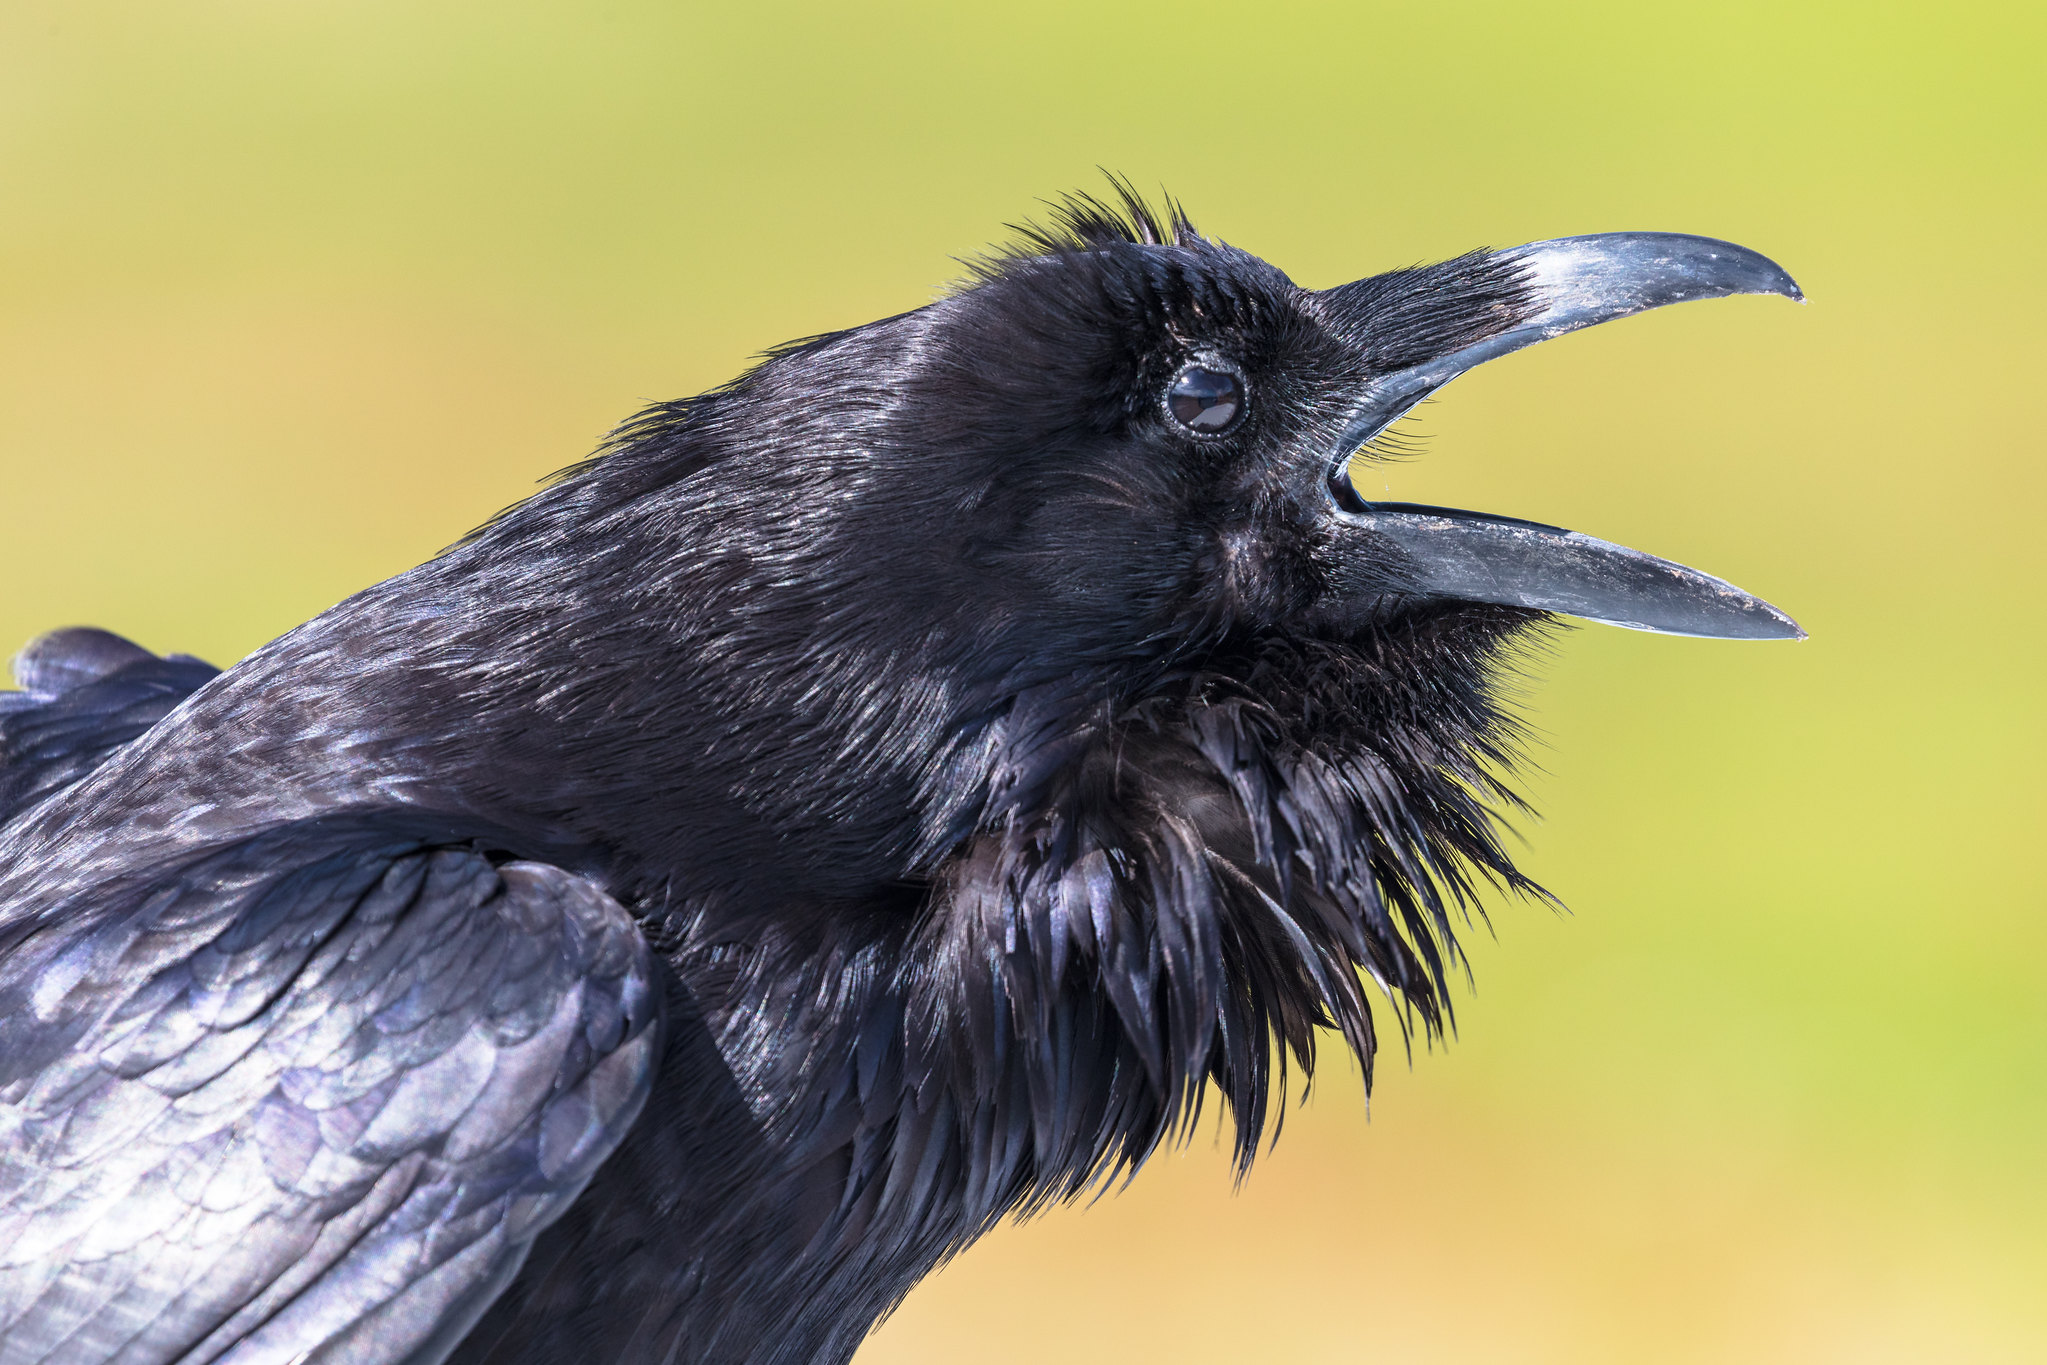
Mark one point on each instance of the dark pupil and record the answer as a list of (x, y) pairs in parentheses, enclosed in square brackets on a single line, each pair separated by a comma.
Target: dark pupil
[(1205, 400)]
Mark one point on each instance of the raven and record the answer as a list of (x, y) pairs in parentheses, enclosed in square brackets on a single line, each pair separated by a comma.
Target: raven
[(870, 799)]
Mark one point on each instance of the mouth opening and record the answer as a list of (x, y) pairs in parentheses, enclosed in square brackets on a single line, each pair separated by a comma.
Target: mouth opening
[(1418, 551)]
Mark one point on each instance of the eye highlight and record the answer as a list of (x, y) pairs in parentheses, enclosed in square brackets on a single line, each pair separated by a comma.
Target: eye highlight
[(1205, 398)]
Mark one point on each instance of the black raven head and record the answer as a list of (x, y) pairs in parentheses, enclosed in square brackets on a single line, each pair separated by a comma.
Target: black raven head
[(1140, 438), (1040, 634)]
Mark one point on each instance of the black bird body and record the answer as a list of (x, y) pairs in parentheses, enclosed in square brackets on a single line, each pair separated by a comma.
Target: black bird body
[(870, 799)]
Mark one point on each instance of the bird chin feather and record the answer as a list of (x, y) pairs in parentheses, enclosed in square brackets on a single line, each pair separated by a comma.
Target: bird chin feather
[(1158, 897), (1202, 892)]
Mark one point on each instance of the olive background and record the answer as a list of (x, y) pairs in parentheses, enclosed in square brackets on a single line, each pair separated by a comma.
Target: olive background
[(293, 293)]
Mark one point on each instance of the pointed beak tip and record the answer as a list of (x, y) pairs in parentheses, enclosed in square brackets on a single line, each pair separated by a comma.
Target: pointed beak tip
[(1787, 629), (1774, 279)]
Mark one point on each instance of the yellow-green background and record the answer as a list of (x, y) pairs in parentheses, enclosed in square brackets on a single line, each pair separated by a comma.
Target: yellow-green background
[(292, 292)]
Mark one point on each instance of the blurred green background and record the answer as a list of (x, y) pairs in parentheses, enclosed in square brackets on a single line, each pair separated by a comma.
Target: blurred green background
[(291, 294)]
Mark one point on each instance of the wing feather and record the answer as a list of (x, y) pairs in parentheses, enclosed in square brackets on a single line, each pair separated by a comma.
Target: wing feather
[(84, 694), (308, 1097)]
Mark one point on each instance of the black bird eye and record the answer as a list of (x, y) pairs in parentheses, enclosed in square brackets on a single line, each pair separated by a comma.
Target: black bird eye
[(1205, 400)]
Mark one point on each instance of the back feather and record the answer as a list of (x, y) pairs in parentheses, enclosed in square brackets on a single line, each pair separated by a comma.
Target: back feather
[(84, 694)]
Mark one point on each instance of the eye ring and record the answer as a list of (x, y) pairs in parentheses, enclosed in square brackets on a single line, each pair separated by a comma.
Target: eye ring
[(1206, 396)]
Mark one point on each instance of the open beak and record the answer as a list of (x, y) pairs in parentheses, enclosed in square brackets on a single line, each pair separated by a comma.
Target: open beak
[(1438, 552)]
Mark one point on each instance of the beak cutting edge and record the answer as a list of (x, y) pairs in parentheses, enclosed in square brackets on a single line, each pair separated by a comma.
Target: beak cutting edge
[(1439, 552)]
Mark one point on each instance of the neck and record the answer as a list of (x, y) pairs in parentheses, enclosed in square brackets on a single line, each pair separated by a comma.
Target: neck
[(1179, 896)]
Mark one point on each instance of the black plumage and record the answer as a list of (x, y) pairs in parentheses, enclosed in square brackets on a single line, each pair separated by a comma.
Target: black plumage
[(869, 799)]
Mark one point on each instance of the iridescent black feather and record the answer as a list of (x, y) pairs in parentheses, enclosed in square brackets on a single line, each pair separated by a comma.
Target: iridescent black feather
[(992, 767)]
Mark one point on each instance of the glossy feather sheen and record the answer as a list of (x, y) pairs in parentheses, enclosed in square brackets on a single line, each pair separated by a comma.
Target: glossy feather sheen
[(918, 770), (319, 1088)]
